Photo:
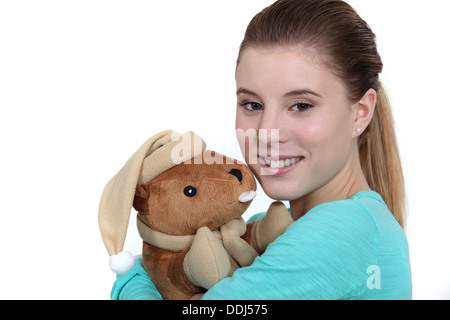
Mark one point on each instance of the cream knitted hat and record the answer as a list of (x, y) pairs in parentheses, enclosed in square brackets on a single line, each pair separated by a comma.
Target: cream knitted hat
[(158, 154)]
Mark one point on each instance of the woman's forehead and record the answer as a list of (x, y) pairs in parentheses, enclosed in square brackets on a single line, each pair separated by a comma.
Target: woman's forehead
[(284, 70)]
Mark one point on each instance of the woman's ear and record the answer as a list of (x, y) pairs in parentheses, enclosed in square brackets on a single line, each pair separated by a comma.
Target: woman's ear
[(364, 110), (141, 197)]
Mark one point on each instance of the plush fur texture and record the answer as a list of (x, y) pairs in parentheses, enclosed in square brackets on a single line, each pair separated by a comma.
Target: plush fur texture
[(197, 203)]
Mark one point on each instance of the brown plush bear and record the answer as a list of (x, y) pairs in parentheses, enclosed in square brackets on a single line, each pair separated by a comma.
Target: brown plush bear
[(189, 202)]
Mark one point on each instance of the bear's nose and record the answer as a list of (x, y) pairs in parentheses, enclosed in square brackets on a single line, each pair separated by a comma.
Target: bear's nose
[(237, 173)]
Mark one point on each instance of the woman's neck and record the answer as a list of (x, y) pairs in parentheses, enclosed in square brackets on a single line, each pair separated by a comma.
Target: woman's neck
[(343, 186)]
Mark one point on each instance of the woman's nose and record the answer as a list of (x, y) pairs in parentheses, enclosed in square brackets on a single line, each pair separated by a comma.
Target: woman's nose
[(269, 136), (271, 130)]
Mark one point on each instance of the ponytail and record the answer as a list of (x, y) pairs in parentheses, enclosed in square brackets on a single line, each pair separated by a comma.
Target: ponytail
[(380, 159)]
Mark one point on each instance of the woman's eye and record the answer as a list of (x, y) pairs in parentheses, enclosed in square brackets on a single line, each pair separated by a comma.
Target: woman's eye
[(252, 106), (302, 106)]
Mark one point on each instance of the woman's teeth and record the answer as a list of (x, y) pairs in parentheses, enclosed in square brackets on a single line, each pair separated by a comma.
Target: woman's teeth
[(278, 164)]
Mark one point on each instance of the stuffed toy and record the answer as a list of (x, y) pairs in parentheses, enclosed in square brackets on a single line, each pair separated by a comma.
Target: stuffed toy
[(190, 203)]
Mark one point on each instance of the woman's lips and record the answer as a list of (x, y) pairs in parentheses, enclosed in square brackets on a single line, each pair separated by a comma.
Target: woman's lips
[(278, 164), (279, 167)]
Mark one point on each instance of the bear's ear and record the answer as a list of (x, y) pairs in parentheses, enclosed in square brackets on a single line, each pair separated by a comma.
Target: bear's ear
[(141, 197)]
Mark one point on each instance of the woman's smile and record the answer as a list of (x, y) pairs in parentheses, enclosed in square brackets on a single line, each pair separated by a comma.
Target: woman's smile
[(279, 167)]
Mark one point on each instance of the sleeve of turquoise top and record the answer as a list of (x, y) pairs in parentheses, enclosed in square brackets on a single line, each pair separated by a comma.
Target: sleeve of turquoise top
[(323, 255), (135, 285)]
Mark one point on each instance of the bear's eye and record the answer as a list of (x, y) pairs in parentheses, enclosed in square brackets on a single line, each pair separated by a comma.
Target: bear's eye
[(190, 191)]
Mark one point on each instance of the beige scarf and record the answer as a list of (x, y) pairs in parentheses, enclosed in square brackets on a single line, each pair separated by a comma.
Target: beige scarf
[(229, 235)]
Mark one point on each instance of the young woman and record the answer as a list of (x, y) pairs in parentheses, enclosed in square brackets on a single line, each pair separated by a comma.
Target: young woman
[(308, 85)]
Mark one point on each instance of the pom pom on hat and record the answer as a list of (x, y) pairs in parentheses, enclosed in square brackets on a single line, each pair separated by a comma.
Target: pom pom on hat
[(122, 262), (157, 155)]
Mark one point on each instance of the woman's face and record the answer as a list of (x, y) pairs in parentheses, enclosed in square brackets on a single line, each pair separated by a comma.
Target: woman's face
[(294, 122)]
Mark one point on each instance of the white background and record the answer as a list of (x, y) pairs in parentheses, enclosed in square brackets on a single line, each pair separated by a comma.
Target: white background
[(84, 83)]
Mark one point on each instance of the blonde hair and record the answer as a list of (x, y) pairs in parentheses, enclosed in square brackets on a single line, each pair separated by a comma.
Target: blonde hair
[(333, 28), (380, 159)]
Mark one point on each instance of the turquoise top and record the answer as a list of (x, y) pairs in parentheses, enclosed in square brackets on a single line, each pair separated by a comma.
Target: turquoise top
[(346, 249)]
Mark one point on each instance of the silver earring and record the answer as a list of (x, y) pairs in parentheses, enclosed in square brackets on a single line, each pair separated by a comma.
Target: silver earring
[(358, 130)]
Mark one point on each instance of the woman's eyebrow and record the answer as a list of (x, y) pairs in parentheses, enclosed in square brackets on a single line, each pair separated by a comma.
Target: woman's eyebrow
[(297, 92), (300, 92), (245, 91)]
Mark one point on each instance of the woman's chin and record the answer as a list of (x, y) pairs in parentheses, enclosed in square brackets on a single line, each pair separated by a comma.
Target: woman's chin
[(280, 193)]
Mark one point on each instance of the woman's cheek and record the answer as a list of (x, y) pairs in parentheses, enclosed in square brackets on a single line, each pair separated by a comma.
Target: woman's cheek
[(311, 133)]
